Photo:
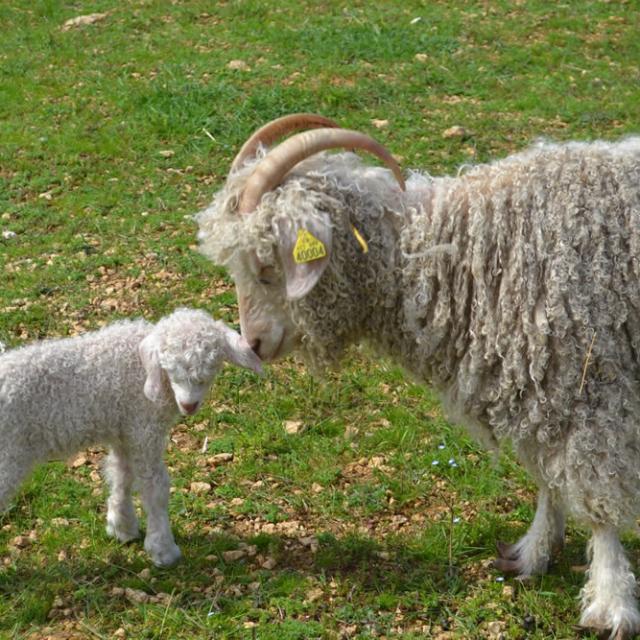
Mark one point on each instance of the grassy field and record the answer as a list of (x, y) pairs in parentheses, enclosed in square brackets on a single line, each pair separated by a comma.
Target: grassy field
[(376, 518)]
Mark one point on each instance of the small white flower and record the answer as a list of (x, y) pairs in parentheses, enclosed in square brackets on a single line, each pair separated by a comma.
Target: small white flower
[(435, 463), (440, 446), (500, 579), (9, 234), (456, 520)]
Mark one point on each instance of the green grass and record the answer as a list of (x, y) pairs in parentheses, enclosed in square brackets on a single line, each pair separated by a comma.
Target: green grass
[(112, 135)]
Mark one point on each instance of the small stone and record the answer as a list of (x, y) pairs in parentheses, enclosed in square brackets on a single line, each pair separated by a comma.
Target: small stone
[(200, 488), (379, 124), (293, 427), (238, 65), (220, 458), (456, 132), (7, 235), (120, 633), (269, 564), (314, 594), (233, 555), (80, 21), (21, 542), (59, 522), (167, 153), (421, 57), (137, 596), (79, 461), (508, 592)]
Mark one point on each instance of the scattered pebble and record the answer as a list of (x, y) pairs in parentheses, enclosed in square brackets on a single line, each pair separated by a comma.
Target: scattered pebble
[(233, 555), (7, 235), (80, 21), (238, 65), (456, 132), (200, 488), (220, 458), (293, 427)]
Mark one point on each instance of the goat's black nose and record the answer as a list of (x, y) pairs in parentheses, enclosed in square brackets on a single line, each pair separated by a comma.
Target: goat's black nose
[(255, 346)]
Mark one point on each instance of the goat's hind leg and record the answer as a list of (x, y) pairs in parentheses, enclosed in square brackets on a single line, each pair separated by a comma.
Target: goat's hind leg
[(532, 554), (122, 522), (608, 597)]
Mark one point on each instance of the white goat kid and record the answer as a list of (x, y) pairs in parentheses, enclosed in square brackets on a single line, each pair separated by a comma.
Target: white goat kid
[(513, 288), (124, 387)]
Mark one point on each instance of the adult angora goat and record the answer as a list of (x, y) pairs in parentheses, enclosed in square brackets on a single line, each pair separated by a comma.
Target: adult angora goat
[(513, 288)]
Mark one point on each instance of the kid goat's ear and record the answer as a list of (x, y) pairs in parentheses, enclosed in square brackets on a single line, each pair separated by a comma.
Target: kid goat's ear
[(148, 350), (304, 251), (238, 351)]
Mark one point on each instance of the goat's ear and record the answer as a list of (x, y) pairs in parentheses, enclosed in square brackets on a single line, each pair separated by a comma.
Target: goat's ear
[(148, 350), (238, 351), (304, 251)]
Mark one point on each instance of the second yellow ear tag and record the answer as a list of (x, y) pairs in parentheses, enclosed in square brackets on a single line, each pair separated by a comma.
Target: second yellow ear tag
[(308, 248)]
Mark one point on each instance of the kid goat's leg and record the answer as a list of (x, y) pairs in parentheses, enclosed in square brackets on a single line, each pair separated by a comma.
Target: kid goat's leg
[(122, 522), (154, 492)]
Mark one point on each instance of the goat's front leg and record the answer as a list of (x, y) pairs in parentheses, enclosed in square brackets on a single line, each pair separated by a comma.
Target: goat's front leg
[(122, 522), (608, 597), (545, 537), (154, 493)]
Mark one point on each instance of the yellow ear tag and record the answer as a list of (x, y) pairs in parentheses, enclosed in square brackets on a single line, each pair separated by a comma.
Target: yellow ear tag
[(361, 241), (308, 248)]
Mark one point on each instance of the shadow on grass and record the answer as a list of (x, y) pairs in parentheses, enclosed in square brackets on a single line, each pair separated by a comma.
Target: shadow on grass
[(366, 570)]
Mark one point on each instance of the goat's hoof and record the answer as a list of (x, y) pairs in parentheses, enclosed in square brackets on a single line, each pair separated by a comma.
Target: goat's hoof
[(611, 623), (507, 551), (166, 557), (508, 560), (604, 634), (511, 567)]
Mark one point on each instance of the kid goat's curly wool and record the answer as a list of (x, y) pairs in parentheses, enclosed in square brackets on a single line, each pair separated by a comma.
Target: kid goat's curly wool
[(513, 288), (123, 387)]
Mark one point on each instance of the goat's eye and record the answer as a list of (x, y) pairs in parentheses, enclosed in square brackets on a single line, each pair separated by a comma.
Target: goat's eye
[(267, 275)]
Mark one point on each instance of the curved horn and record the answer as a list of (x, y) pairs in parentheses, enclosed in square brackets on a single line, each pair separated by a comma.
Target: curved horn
[(278, 128), (269, 172)]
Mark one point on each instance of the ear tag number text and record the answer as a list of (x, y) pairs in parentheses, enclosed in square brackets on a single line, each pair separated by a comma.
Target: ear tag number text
[(308, 248)]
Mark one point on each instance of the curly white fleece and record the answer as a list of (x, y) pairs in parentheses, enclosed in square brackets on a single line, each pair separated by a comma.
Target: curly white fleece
[(59, 396), (513, 288)]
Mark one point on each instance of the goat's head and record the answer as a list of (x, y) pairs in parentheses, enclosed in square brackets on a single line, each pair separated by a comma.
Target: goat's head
[(189, 347), (278, 242)]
